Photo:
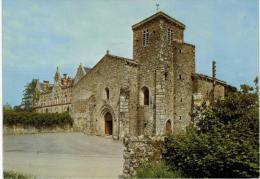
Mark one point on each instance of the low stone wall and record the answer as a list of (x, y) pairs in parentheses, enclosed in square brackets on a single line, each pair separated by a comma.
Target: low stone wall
[(19, 130), (138, 149)]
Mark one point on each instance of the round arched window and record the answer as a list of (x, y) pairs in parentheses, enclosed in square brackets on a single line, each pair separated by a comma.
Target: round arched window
[(168, 127), (107, 93)]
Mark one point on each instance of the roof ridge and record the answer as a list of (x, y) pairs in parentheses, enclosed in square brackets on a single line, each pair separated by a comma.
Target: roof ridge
[(116, 56), (206, 76), (160, 13)]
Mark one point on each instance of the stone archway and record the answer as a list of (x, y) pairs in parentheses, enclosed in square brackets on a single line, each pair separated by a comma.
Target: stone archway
[(108, 123), (168, 127)]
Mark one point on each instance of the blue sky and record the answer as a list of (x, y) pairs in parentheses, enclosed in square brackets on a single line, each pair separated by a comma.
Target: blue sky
[(40, 35)]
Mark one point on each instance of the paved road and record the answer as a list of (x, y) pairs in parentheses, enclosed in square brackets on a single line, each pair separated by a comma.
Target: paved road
[(70, 155)]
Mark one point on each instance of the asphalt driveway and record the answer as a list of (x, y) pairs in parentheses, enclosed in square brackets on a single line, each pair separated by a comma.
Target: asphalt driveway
[(63, 155)]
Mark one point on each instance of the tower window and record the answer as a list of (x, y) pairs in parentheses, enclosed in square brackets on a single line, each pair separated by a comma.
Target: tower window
[(180, 117), (169, 36), (145, 96), (107, 93), (166, 76), (180, 77), (145, 37)]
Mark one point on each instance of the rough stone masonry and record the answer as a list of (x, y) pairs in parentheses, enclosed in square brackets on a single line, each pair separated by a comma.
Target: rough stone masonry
[(151, 94)]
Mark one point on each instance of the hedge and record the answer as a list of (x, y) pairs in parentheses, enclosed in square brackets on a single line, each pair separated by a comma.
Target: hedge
[(16, 175), (37, 120)]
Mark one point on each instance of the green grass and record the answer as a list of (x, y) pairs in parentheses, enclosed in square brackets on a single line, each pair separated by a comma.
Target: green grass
[(15, 175)]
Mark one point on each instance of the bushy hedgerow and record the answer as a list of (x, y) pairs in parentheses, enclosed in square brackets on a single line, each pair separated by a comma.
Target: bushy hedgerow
[(224, 144), (15, 175), (156, 170), (37, 120)]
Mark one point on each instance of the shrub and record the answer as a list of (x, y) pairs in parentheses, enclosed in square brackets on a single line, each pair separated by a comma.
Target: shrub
[(37, 120), (15, 175), (156, 170), (224, 143)]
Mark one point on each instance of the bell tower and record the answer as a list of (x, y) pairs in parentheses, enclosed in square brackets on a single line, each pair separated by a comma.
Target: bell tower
[(158, 42)]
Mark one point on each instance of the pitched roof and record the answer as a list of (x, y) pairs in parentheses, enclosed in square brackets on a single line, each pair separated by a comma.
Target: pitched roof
[(123, 58), (159, 14), (209, 78)]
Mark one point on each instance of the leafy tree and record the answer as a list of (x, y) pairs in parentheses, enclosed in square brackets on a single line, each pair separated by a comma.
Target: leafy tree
[(7, 107), (224, 143), (18, 108), (246, 88), (30, 95), (256, 84)]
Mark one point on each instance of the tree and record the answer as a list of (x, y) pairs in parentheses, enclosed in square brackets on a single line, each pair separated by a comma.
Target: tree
[(224, 143), (256, 84), (246, 88), (18, 108), (30, 96), (7, 107)]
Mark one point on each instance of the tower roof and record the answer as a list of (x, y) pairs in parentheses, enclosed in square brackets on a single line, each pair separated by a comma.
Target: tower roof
[(57, 75), (159, 14)]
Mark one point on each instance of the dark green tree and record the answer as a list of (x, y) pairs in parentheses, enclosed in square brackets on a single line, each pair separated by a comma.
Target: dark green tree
[(224, 143), (256, 84), (30, 96), (7, 107)]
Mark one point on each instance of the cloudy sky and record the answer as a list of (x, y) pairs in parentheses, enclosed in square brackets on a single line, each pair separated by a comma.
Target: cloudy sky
[(40, 35)]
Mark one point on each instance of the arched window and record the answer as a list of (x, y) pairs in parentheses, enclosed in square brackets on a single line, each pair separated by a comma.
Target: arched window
[(46, 110), (65, 99), (145, 96), (68, 109), (168, 127), (107, 93)]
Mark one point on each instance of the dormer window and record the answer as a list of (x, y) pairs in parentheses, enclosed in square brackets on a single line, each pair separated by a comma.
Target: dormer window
[(145, 37), (169, 36)]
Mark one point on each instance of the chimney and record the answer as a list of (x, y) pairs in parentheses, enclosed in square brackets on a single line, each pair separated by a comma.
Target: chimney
[(45, 84), (65, 79)]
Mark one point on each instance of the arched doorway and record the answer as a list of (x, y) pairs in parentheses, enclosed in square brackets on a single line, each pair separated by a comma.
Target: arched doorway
[(108, 124), (168, 127)]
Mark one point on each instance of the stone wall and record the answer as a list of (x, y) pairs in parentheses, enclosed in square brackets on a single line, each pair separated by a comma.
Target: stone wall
[(204, 87), (19, 130), (139, 149), (183, 67), (105, 89)]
